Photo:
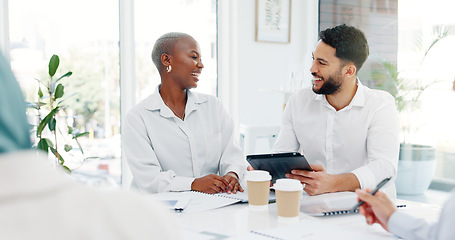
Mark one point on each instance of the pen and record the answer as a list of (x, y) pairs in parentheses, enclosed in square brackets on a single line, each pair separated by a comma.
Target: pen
[(382, 183)]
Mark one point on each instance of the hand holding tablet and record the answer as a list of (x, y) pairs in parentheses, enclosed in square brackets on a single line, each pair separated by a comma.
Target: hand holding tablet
[(278, 164)]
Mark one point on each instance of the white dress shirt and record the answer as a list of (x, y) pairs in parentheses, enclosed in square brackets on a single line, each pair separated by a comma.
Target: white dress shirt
[(409, 227), (165, 153), (361, 138), (39, 202)]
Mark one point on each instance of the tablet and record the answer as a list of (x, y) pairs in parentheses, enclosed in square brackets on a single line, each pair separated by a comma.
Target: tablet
[(278, 164)]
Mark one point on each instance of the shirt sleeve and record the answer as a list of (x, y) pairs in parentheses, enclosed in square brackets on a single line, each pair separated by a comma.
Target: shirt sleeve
[(147, 173), (409, 227), (382, 147), (232, 158), (286, 140)]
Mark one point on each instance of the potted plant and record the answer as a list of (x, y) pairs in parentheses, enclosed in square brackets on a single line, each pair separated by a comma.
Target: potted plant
[(417, 162), (50, 104)]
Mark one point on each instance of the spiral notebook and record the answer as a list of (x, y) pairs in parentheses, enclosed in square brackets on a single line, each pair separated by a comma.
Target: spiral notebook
[(330, 204), (191, 201), (243, 196), (310, 229)]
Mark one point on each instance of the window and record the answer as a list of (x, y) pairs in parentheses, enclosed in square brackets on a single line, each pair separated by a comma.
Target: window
[(420, 23), (85, 35), (87, 45), (155, 18)]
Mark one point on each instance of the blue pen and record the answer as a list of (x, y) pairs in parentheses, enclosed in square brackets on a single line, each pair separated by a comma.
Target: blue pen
[(382, 183)]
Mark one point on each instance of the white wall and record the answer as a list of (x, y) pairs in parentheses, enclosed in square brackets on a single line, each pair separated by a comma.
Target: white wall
[(4, 29), (247, 66)]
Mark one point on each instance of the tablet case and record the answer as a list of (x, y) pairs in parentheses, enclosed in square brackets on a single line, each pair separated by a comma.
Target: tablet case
[(278, 164)]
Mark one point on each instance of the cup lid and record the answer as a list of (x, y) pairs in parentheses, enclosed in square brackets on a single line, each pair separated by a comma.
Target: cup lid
[(286, 184), (258, 176)]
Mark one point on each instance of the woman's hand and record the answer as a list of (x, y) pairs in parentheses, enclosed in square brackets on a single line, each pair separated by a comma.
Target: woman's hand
[(210, 184), (377, 208), (234, 184)]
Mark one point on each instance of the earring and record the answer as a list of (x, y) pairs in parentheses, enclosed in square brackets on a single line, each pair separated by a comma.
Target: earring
[(169, 68)]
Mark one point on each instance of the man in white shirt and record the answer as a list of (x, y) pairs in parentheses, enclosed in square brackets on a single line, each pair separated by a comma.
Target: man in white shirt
[(379, 209), (348, 132)]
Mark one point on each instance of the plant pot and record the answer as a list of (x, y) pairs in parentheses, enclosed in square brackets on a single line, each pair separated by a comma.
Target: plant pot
[(416, 167)]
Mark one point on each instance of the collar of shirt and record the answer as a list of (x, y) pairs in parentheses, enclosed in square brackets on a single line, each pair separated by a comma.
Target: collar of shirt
[(156, 103), (357, 101)]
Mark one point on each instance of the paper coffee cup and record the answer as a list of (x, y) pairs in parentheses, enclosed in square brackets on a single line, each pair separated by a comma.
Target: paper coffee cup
[(258, 187), (288, 193)]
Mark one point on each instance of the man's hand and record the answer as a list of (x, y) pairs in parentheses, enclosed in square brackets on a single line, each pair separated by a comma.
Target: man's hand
[(319, 181), (210, 184), (233, 181), (377, 208)]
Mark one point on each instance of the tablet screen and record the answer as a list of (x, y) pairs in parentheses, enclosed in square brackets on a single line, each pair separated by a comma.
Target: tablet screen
[(278, 164)]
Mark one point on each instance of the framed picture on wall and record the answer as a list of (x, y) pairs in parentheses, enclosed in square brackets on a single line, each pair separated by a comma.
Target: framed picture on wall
[(273, 21)]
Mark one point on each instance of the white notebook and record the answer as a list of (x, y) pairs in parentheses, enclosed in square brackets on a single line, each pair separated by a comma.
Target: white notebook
[(328, 204), (311, 229), (191, 201), (243, 196)]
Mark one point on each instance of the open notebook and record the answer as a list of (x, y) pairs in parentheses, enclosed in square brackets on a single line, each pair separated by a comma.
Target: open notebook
[(329, 203)]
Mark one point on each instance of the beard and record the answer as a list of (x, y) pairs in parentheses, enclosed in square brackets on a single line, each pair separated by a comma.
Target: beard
[(330, 86)]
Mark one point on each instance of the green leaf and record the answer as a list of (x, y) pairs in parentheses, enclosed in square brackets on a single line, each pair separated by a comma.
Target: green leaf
[(59, 91), (53, 65), (68, 147), (81, 134), (40, 93), (52, 124), (44, 122), (42, 145), (67, 170), (64, 75), (49, 142), (57, 155), (70, 130)]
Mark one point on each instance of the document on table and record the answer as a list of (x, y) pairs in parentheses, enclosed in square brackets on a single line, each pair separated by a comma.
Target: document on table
[(195, 201), (243, 196), (310, 229)]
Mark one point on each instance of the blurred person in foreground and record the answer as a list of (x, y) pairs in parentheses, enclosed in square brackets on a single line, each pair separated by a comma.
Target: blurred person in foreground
[(177, 139), (40, 202), (380, 209)]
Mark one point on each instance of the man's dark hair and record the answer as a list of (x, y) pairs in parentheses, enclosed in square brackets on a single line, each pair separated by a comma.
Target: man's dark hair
[(350, 44)]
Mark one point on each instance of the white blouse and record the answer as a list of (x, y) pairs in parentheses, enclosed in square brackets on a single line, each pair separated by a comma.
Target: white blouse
[(361, 138), (165, 153)]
